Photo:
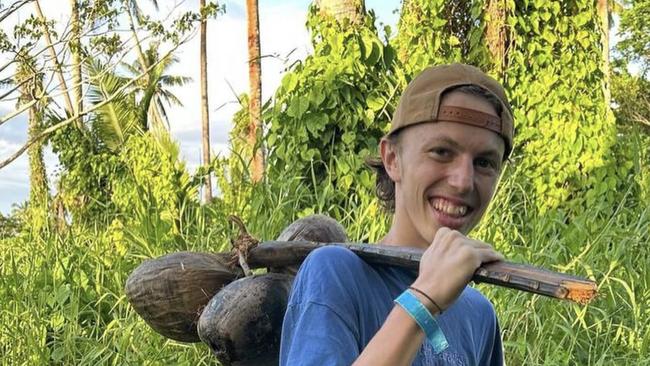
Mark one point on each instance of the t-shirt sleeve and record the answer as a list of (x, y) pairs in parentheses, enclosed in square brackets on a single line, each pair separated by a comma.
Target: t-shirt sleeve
[(321, 322)]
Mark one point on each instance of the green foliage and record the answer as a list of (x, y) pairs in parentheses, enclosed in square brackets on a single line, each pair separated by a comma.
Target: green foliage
[(117, 118), (10, 225), (63, 304), (439, 32), (635, 33), (233, 180), (151, 189), (332, 109), (632, 110), (566, 132), (87, 167), (597, 244)]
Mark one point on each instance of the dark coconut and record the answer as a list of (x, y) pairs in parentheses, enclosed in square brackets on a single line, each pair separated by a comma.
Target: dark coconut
[(170, 292), (242, 324), (318, 228)]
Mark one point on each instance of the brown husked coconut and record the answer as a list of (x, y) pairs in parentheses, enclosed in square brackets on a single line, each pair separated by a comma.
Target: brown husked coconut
[(317, 228), (170, 292), (242, 324)]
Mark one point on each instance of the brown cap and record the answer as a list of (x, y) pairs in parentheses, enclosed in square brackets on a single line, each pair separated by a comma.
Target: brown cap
[(420, 102)]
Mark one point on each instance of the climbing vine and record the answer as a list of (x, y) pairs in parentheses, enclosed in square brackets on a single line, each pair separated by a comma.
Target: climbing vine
[(566, 132), (331, 110)]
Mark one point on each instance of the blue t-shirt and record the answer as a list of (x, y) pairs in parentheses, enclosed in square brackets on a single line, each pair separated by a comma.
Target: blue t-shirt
[(338, 302)]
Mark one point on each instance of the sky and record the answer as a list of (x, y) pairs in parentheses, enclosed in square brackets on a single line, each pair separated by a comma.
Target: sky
[(283, 39)]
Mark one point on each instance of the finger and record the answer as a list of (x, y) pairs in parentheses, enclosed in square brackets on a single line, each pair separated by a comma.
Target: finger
[(489, 255), (479, 244), (442, 233)]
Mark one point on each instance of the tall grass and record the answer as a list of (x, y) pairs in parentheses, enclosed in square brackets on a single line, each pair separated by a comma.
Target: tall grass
[(62, 299)]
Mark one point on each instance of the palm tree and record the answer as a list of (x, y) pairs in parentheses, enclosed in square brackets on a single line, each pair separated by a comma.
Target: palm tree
[(75, 50), (255, 81), (154, 95), (116, 120), (205, 115)]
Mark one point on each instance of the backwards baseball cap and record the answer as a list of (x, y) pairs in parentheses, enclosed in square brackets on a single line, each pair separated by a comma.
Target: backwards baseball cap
[(420, 102)]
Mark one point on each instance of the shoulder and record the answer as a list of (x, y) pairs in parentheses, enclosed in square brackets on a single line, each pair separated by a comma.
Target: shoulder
[(328, 273), (476, 309), (475, 300), (332, 262), (332, 255), (471, 325)]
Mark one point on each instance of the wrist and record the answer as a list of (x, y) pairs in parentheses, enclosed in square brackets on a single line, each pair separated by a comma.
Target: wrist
[(429, 297), (426, 300), (425, 320)]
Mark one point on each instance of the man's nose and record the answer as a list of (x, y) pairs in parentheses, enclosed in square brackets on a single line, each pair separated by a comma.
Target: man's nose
[(461, 175)]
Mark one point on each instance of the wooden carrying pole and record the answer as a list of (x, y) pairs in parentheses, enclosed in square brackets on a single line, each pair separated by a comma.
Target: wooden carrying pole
[(506, 274)]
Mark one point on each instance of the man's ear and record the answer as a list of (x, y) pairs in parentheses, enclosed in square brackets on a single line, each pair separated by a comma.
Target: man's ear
[(390, 157)]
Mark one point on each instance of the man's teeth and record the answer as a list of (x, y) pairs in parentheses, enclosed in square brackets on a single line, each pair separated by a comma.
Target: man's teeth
[(449, 208)]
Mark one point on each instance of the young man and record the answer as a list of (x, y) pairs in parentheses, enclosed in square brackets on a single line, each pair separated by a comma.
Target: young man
[(440, 164)]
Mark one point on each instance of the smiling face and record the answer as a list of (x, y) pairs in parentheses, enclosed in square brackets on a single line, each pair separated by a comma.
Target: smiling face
[(445, 174)]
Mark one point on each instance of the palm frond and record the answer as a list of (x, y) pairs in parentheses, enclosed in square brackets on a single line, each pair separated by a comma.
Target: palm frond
[(132, 69), (116, 120), (170, 80), (170, 99), (162, 111)]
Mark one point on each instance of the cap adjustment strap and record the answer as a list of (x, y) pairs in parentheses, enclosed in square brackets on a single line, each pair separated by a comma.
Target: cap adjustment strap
[(470, 117)]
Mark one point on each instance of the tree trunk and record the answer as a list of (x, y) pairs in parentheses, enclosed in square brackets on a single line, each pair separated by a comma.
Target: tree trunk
[(205, 113), (138, 45), (352, 10), (603, 14), (496, 35), (57, 65), (38, 188), (75, 50), (255, 99)]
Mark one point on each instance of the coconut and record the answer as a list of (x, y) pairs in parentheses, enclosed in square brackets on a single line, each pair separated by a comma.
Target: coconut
[(242, 324), (170, 292)]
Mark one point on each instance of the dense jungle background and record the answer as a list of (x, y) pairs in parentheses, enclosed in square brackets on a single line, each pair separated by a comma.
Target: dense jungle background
[(574, 197)]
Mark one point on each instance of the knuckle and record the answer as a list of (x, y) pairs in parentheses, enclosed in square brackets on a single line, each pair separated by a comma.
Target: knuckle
[(454, 233), (465, 252), (441, 232)]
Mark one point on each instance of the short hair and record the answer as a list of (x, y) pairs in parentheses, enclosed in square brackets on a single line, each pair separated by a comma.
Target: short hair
[(384, 186)]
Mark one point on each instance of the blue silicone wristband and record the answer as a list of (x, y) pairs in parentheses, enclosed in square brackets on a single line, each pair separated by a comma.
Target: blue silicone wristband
[(413, 307)]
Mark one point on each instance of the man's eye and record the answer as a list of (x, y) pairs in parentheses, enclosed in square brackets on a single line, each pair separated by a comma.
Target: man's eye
[(440, 151), (486, 163)]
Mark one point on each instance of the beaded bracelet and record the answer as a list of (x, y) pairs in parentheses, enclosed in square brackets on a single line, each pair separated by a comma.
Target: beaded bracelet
[(416, 310)]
